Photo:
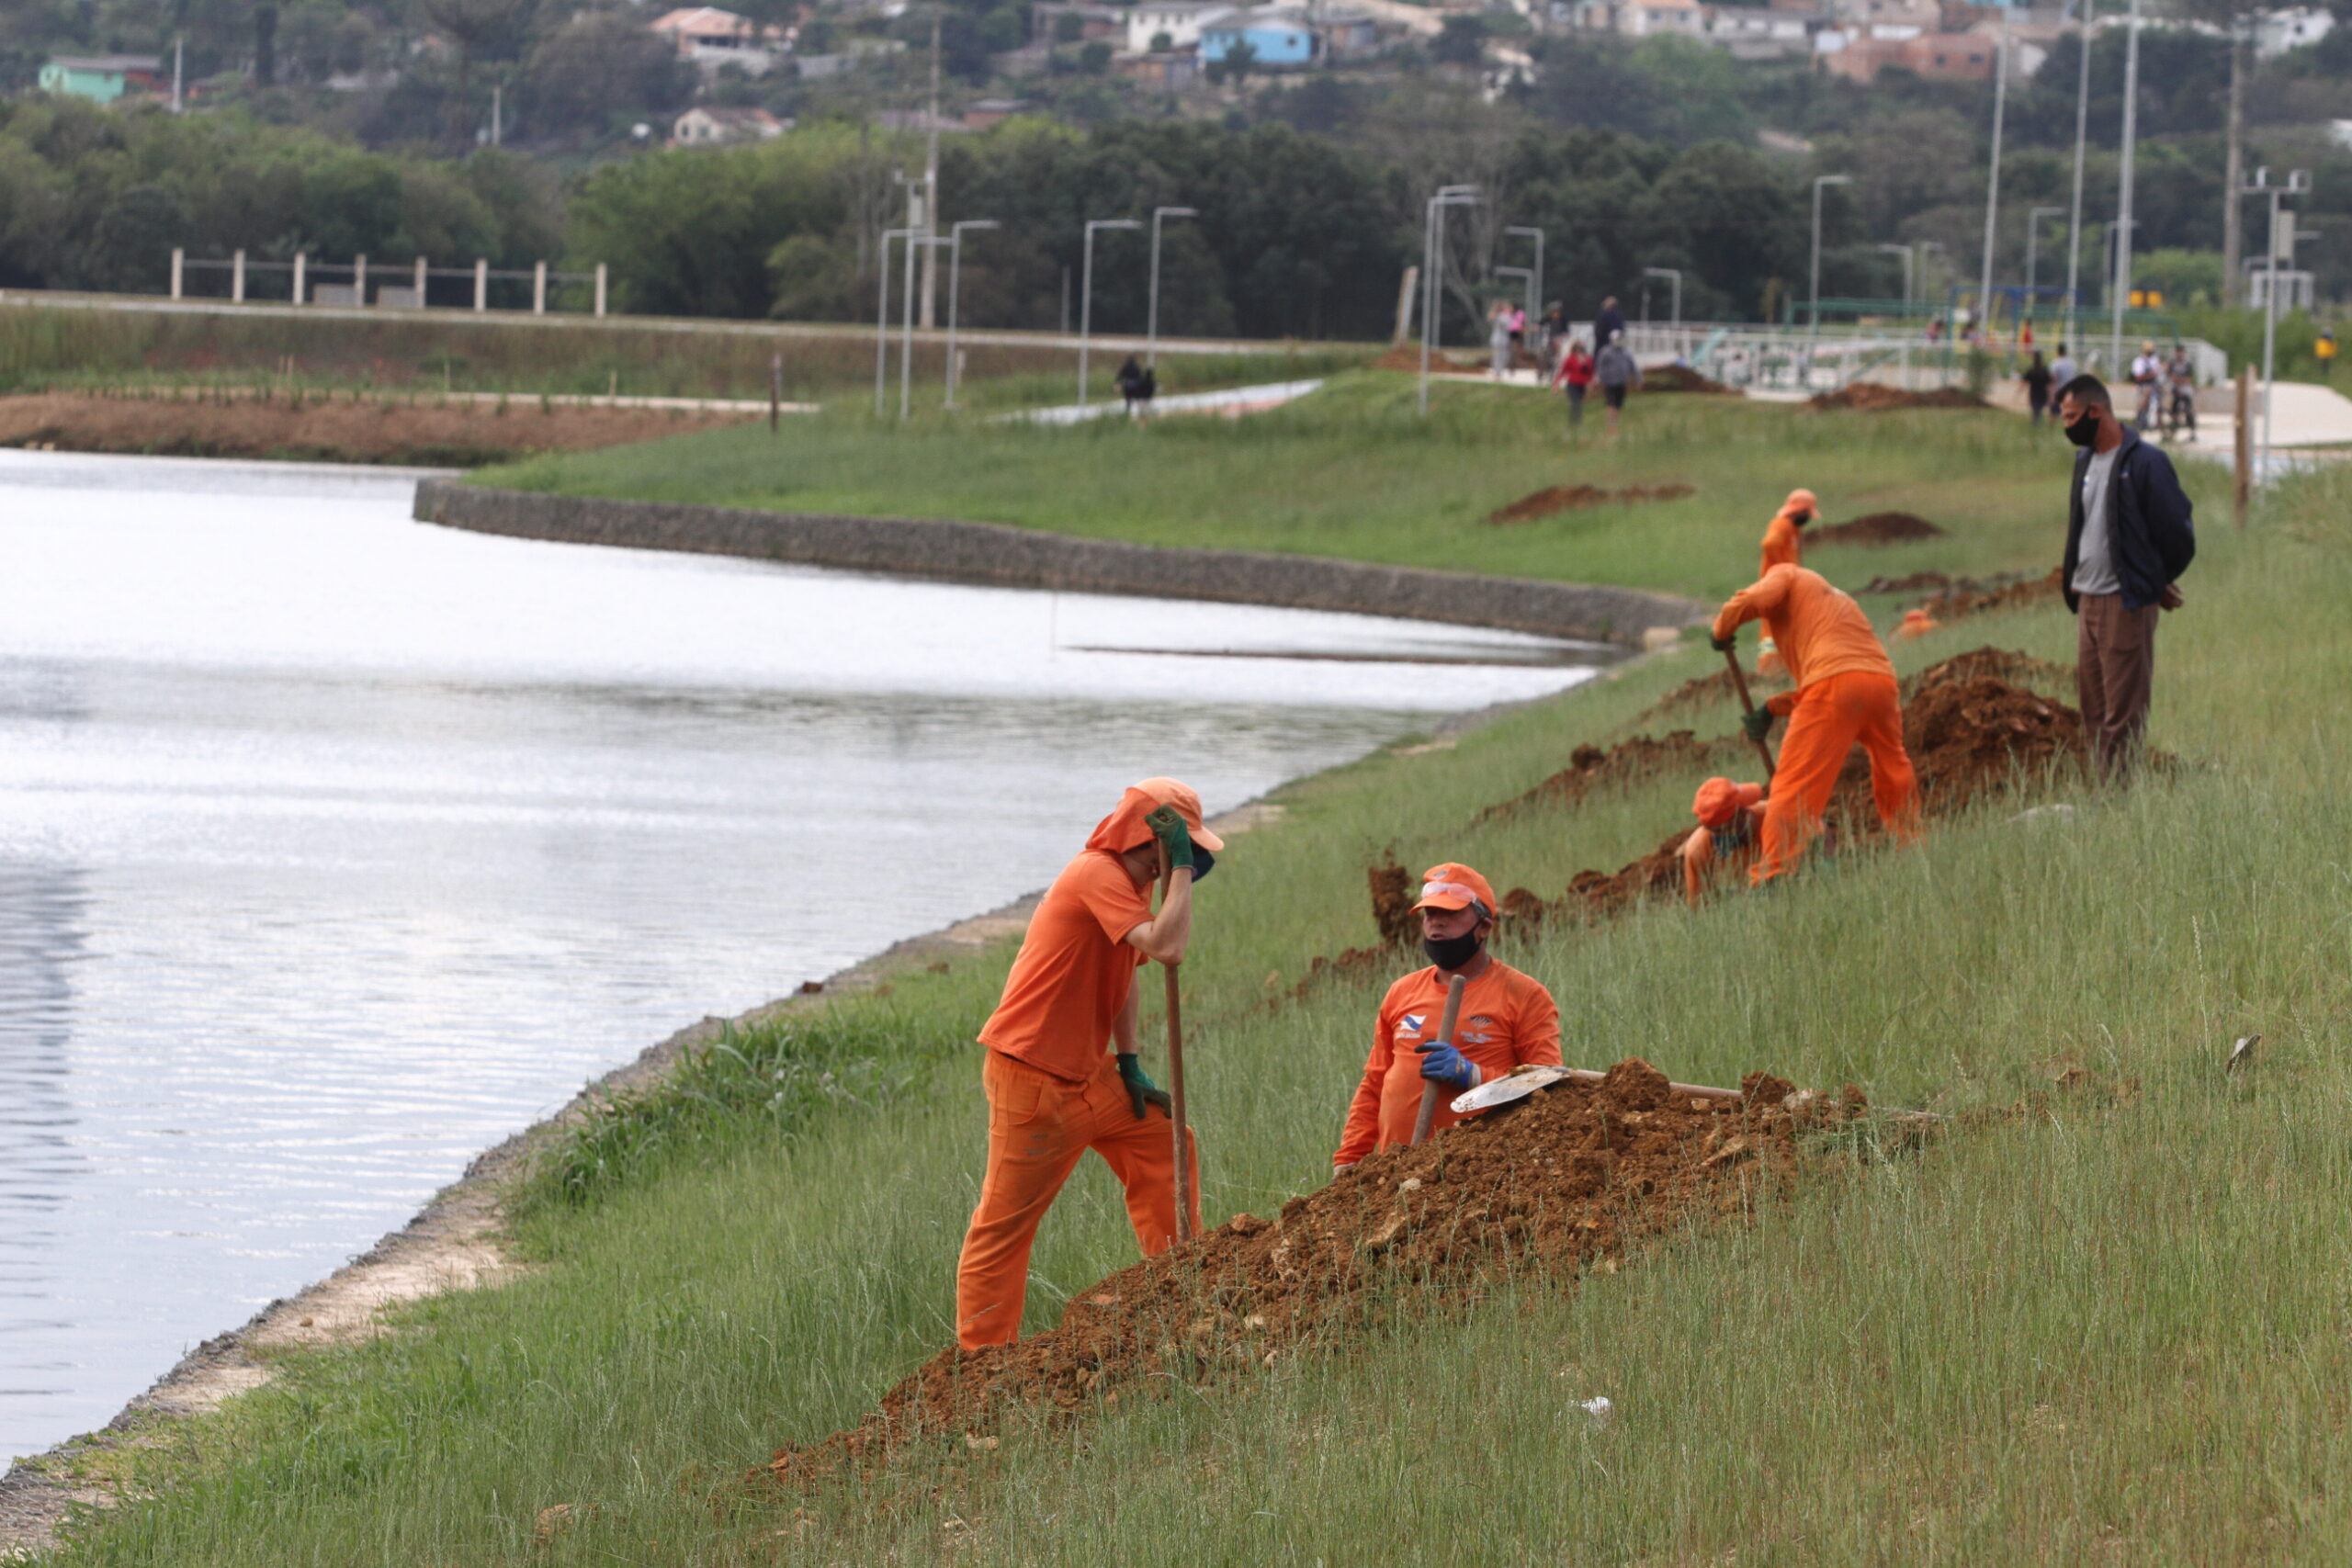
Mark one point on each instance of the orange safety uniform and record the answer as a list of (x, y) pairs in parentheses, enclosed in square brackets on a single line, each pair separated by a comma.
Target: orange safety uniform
[(1053, 1086), (1916, 623), (1719, 802), (1846, 691), (1783, 546)]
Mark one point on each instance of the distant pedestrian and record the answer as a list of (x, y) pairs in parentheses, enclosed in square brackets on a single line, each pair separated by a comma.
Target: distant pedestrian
[(2037, 379), (2147, 373), (1518, 332), (1498, 338), (1576, 376), (2063, 369), (1553, 333), (1136, 384), (2130, 535), (1614, 368), (1608, 324)]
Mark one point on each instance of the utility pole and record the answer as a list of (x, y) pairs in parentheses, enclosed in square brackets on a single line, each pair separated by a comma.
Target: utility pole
[(1910, 259), (929, 221), (179, 48), (2281, 247), (1151, 331), (2234, 175), (2123, 182), (1992, 184), (2075, 223), (498, 114), (954, 273), (1818, 183), (1432, 263), (2033, 235)]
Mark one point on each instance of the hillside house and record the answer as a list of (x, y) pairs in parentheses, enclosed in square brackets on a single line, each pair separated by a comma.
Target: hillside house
[(1276, 38), (712, 38), (1179, 20), (103, 78), (1937, 57), (722, 128)]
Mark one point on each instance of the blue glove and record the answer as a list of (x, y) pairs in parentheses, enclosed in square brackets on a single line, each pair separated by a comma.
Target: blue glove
[(1440, 1062)]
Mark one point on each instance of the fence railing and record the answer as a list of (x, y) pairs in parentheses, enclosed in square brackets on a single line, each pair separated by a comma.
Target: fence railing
[(1754, 357), (398, 288)]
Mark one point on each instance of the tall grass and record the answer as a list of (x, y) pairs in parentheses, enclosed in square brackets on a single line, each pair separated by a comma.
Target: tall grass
[(2112, 1328)]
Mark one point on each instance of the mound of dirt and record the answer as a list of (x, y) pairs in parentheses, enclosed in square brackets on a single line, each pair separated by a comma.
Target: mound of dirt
[(1958, 600), (1682, 378), (2000, 663), (1869, 397), (1406, 357), (1628, 762), (1877, 528), (1704, 690), (1569, 498), (1392, 901), (1545, 1188)]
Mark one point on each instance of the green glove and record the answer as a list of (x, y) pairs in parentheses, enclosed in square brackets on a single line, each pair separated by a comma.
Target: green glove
[(1170, 830), (1141, 1090), (1757, 723), (1723, 644)]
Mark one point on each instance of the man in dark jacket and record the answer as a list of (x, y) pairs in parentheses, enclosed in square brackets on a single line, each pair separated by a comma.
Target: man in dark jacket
[(1607, 325), (2129, 537)]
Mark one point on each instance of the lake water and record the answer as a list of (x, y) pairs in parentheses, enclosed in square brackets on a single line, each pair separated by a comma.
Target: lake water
[(333, 847)]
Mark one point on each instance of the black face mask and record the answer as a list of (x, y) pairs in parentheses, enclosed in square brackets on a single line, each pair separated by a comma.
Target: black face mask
[(2084, 430), (1202, 863), (1451, 952)]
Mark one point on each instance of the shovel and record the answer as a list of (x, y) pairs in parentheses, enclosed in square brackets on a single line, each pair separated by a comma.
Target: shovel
[(1176, 1077), (1747, 704), (1431, 1089)]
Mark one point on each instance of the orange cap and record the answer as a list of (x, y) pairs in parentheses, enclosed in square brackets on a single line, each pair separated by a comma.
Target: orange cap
[(1803, 501), (1719, 800), (1452, 886), (1123, 829)]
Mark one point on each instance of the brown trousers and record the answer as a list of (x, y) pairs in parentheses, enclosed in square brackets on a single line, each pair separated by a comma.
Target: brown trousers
[(2115, 668)]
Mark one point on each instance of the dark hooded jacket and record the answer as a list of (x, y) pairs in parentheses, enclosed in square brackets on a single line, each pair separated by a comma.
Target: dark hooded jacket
[(2150, 534)]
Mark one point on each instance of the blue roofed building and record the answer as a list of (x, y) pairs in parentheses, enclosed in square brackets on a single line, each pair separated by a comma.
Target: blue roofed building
[(1276, 38), (102, 78)]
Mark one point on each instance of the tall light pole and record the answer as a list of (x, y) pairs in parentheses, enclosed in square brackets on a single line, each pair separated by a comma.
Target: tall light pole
[(1674, 275), (1819, 181), (1535, 278), (1993, 183), (2297, 182), (955, 277), (928, 243), (1910, 260), (2123, 190), (1432, 257), (2033, 216), (1086, 294), (2075, 221), (1151, 354), (882, 320)]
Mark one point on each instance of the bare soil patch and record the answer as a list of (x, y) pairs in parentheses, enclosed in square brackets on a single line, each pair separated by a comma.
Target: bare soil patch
[(1571, 498), (340, 428), (1869, 397), (1682, 378), (1965, 598), (1876, 528)]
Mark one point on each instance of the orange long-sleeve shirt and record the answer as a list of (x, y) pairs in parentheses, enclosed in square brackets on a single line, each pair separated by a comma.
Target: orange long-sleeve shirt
[(1783, 546), (1508, 1021), (1700, 862), (1820, 631)]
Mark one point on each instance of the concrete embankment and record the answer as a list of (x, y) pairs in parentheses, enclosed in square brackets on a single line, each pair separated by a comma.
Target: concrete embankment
[(1004, 556)]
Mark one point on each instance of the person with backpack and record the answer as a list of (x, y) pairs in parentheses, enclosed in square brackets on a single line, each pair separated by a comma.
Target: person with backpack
[(1614, 368)]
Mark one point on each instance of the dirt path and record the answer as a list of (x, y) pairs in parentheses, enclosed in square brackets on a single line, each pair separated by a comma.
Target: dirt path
[(429, 431)]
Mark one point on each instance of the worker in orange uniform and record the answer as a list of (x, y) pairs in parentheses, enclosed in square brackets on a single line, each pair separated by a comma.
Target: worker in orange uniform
[(1844, 692), (1055, 1089), (1508, 1021), (1782, 544), (1731, 825)]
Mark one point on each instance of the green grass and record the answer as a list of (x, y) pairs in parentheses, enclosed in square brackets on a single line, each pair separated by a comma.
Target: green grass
[(1351, 472), (2109, 1331)]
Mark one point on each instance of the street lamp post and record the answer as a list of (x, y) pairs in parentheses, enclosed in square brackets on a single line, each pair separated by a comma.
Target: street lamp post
[(1086, 294), (1674, 275), (2032, 233), (882, 320), (1432, 257), (955, 278), (2123, 186), (2075, 219), (2297, 182), (928, 243), (1819, 181), (1535, 278), (1910, 260), (1151, 354), (1993, 183)]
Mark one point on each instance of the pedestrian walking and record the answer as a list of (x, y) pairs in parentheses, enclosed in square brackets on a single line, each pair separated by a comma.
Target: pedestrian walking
[(1518, 333), (1553, 335), (1607, 323), (2130, 535), (2037, 377), (1574, 377), (2063, 369), (1614, 368), (1499, 341), (1137, 385)]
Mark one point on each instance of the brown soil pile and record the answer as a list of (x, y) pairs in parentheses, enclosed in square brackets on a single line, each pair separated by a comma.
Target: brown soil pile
[(1869, 397), (335, 430), (1406, 357), (1392, 900), (1916, 582), (1628, 762), (1569, 498), (1877, 528), (1544, 1189), (1702, 691), (2000, 663), (1961, 599), (1682, 378)]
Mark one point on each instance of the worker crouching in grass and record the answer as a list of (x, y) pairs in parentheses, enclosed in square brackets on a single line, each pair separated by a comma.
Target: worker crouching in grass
[(1844, 692), (1731, 828), (1508, 1019), (1055, 1087)]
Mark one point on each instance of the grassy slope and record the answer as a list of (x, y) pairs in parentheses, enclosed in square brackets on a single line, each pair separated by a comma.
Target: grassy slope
[(2119, 1327), (1348, 472)]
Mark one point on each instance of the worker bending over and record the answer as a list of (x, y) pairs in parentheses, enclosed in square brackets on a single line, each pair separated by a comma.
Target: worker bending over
[(1731, 826), (1844, 692), (1508, 1019), (1054, 1088), (1783, 547)]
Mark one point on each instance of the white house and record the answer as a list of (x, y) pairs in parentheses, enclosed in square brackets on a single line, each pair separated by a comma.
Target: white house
[(711, 38), (1181, 21), (1648, 18), (2276, 32), (717, 127)]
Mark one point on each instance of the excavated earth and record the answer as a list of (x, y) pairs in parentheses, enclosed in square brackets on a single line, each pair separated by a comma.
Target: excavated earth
[(1570, 1178), (1876, 528), (1965, 598), (1629, 762), (1682, 378), (1869, 397), (1570, 498)]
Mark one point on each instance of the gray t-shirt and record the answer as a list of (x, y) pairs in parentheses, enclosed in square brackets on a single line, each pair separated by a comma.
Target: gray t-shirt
[(2094, 563)]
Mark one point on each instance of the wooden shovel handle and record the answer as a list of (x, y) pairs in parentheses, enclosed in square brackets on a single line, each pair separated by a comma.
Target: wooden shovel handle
[(1177, 1125), (1431, 1089), (1747, 704)]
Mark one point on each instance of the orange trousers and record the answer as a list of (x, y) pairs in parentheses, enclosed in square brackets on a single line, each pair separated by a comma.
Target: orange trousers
[(1831, 715), (1039, 1125)]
